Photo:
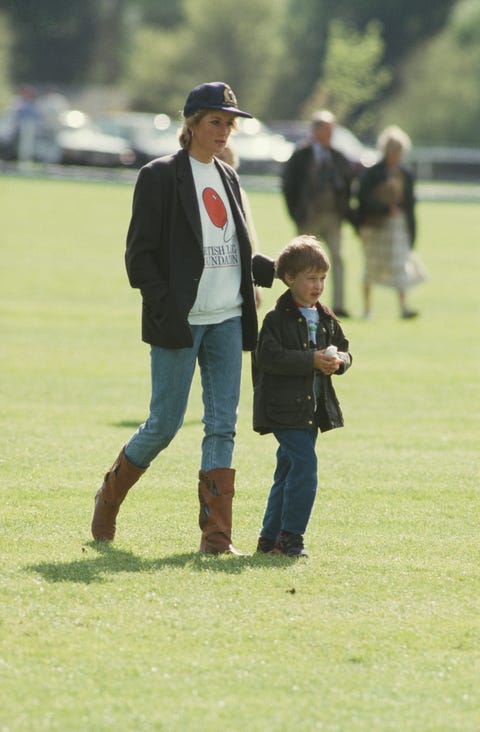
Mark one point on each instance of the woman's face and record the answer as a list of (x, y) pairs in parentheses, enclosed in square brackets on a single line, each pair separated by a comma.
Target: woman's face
[(211, 134), (393, 154)]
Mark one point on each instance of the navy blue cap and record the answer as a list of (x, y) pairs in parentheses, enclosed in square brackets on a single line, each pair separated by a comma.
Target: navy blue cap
[(214, 95)]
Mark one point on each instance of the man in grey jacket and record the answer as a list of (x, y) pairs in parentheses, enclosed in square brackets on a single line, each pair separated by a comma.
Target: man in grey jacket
[(316, 185)]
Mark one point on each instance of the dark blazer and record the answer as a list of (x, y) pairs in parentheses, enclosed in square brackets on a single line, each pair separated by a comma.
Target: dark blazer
[(283, 372), (164, 254), (370, 209), (296, 183)]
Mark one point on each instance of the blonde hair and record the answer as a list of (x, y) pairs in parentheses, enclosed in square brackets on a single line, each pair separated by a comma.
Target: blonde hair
[(301, 254), (393, 137), (186, 134)]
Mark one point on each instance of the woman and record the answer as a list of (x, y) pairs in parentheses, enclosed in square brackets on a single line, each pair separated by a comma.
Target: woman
[(189, 253), (386, 221)]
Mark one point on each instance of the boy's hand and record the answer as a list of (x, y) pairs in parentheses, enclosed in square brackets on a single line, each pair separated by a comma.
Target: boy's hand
[(326, 364)]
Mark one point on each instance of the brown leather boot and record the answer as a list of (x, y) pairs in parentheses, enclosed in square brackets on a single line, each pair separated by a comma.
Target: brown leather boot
[(215, 493), (116, 484)]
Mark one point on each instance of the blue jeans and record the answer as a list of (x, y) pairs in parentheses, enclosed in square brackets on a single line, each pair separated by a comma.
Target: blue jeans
[(292, 494), (218, 349)]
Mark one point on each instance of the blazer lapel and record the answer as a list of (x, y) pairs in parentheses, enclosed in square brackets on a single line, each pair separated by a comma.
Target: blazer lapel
[(233, 193), (187, 194)]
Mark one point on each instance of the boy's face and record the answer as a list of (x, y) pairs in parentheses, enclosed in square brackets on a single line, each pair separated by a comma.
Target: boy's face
[(306, 286)]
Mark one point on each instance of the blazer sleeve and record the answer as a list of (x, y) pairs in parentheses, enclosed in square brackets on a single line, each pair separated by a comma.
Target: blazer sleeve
[(146, 255), (293, 180), (263, 270)]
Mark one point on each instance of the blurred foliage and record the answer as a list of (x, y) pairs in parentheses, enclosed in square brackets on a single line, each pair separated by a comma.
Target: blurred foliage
[(372, 61), (405, 23), (164, 13), (304, 38), (353, 76), (5, 41), (438, 101), (246, 53), (52, 41)]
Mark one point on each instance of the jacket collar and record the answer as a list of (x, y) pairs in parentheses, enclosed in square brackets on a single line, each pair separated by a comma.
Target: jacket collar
[(286, 302)]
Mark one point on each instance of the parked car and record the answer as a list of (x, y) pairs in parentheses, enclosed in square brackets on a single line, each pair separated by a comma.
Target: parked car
[(81, 142), (149, 135), (343, 139), (77, 141), (8, 137), (259, 149), (347, 143)]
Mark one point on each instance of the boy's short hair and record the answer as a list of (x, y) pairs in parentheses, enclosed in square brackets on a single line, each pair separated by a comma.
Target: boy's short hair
[(302, 254)]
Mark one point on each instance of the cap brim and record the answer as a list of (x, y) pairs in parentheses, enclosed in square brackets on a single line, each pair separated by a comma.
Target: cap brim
[(233, 110)]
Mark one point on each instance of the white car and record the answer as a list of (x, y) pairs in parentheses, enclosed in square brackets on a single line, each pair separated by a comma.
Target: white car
[(347, 143), (259, 149), (343, 139), (149, 135), (80, 142)]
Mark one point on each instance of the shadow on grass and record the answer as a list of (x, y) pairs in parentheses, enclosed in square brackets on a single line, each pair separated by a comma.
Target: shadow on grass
[(134, 424), (108, 560)]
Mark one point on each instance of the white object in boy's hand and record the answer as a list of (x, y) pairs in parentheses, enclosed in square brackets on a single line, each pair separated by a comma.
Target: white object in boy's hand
[(331, 351)]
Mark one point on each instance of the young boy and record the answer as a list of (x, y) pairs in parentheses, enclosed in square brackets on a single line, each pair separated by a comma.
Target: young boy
[(301, 344)]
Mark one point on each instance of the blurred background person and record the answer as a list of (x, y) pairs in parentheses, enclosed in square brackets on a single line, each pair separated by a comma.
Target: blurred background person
[(26, 119), (386, 222), (51, 106), (316, 185)]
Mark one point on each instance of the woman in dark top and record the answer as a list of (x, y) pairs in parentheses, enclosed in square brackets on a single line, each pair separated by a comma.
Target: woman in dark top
[(386, 222), (189, 254)]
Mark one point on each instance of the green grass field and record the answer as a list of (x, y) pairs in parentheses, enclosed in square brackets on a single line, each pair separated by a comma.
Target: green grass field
[(379, 630)]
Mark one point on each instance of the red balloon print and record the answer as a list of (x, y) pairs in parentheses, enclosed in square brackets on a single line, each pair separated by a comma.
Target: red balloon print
[(215, 207)]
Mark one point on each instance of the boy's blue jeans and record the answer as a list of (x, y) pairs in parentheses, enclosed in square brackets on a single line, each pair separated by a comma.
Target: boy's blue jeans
[(218, 349), (292, 494)]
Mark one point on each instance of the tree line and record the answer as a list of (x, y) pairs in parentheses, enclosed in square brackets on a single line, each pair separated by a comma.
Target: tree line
[(371, 61)]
